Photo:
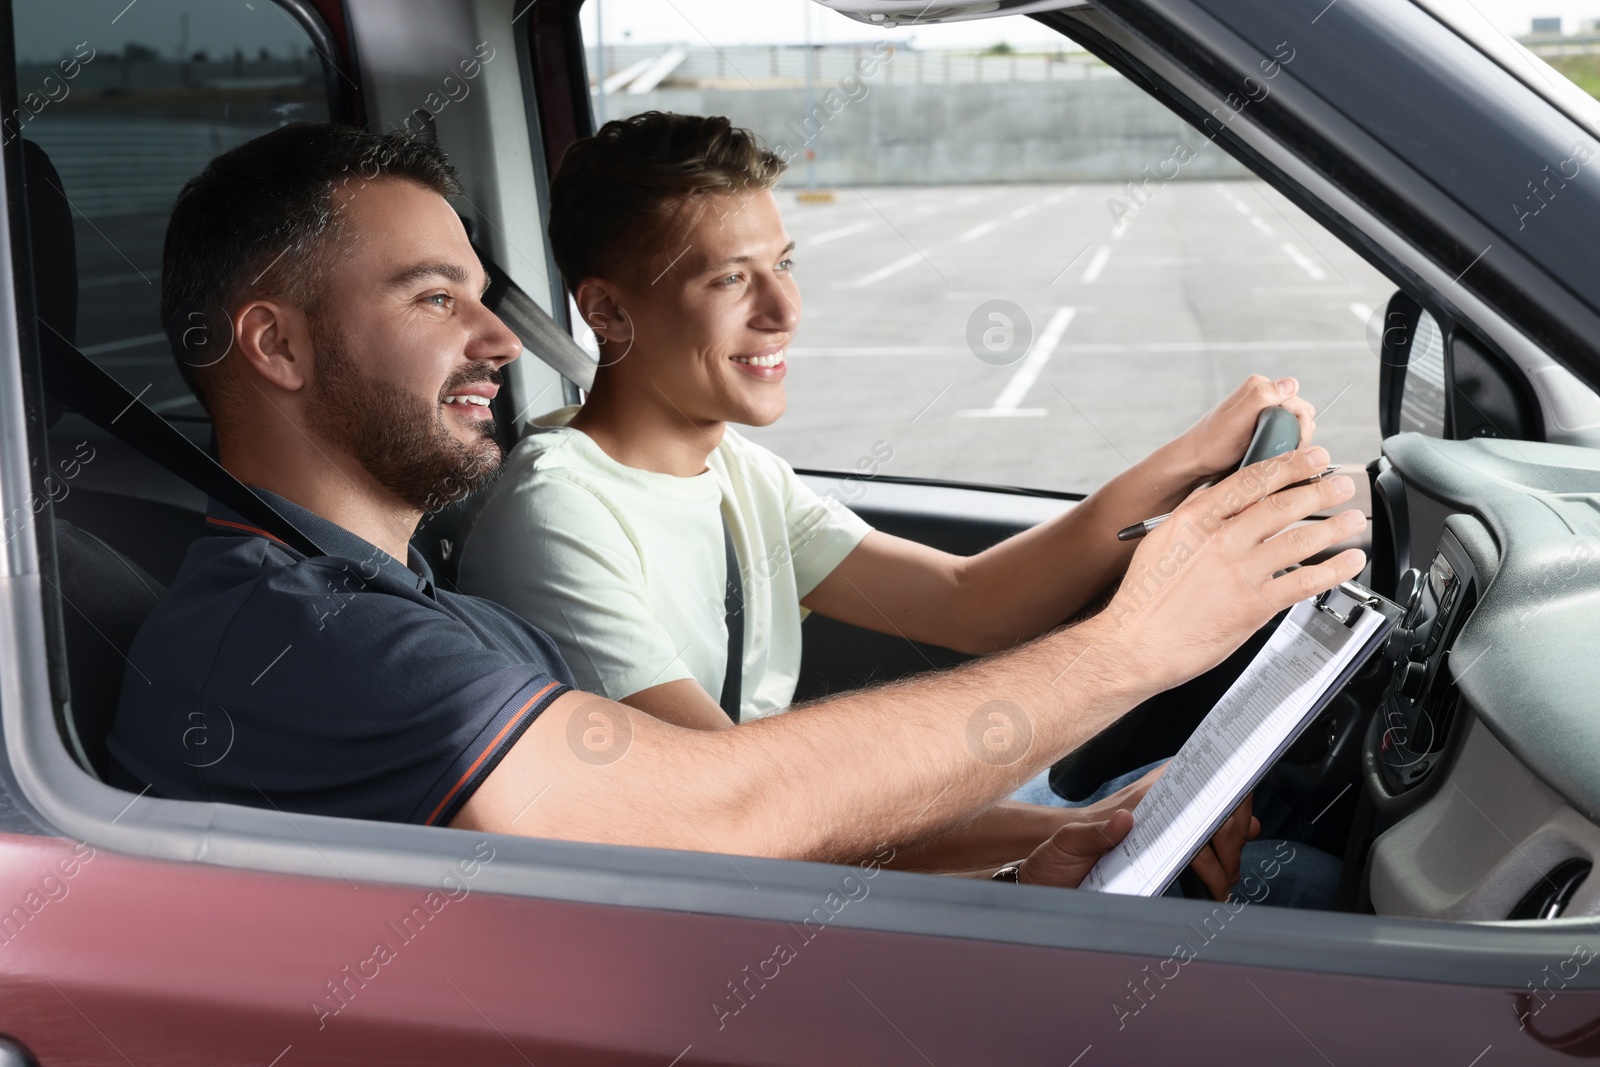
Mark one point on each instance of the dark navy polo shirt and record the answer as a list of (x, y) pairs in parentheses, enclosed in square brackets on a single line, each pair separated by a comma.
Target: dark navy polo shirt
[(345, 684)]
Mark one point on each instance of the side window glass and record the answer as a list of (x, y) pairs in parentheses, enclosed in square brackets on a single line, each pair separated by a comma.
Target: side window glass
[(1017, 266), (130, 101)]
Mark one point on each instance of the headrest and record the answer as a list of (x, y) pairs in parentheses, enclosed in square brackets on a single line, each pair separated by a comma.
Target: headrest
[(53, 243)]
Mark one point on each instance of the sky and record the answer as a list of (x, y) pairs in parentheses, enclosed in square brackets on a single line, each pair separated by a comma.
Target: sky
[(783, 21)]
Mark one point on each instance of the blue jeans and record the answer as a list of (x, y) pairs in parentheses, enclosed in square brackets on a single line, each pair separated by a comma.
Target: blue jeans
[(1284, 874), (1038, 791)]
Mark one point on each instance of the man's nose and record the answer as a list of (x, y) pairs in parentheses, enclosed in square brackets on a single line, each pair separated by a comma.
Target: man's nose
[(779, 305), (494, 340)]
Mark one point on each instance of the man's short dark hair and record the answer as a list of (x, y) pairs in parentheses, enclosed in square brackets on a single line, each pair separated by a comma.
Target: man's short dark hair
[(616, 196), (262, 221)]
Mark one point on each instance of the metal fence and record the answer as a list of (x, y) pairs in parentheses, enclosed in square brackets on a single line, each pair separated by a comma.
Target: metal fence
[(784, 66)]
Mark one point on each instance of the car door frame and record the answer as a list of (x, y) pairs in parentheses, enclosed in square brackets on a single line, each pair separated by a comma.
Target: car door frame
[(952, 955)]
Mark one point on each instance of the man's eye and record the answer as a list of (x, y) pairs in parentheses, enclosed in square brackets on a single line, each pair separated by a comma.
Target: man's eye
[(786, 264), (441, 300), (730, 281)]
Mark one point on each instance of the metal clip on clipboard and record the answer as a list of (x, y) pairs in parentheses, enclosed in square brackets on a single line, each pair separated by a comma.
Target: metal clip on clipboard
[(1362, 596)]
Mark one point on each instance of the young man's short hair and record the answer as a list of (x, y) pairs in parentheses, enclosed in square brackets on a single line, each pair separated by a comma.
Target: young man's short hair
[(619, 197), (263, 220)]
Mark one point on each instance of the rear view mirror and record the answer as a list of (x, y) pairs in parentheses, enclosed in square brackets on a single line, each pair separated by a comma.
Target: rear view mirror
[(924, 12)]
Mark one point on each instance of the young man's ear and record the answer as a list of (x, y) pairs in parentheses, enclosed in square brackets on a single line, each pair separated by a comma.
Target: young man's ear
[(275, 341), (597, 303)]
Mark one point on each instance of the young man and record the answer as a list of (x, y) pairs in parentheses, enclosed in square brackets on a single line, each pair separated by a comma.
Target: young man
[(606, 531), (324, 301)]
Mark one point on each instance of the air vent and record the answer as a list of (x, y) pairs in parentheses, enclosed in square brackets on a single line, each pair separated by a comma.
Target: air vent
[(1551, 894)]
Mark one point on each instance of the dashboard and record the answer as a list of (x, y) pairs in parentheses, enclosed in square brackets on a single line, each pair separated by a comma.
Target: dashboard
[(1481, 767)]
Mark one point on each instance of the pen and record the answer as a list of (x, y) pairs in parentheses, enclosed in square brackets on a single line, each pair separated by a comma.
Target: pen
[(1139, 529)]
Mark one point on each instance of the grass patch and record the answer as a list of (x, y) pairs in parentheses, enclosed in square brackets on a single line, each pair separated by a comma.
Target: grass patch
[(1583, 71)]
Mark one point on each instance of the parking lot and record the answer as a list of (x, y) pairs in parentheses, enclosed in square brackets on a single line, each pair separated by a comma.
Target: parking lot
[(1137, 328)]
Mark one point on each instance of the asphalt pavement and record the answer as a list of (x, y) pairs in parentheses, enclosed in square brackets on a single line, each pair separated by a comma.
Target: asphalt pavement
[(1018, 335)]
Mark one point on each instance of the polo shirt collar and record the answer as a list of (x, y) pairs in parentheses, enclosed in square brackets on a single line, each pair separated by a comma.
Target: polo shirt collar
[(334, 539)]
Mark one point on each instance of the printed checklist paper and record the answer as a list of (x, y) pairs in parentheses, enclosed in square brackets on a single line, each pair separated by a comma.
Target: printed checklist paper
[(1304, 664)]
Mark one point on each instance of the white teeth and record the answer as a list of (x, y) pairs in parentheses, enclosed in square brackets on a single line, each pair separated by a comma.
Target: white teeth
[(762, 361), (481, 401)]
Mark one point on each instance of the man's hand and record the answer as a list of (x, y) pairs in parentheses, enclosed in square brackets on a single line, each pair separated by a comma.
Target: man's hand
[(1209, 576), (1072, 851), (1217, 862), (1218, 441)]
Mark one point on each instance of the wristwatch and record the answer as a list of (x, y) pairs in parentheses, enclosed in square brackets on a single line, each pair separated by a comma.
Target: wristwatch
[(1007, 874)]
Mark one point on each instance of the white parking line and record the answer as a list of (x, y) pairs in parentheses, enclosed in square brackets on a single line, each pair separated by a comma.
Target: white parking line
[(1028, 209), (887, 272), (127, 342), (874, 352), (1302, 261), (843, 231), (1096, 265), (1259, 223), (117, 279), (981, 229), (1055, 198), (1110, 348), (1361, 311), (1227, 194), (1006, 404)]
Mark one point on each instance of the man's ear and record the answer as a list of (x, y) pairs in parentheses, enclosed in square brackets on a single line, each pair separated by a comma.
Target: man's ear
[(598, 304), (275, 340)]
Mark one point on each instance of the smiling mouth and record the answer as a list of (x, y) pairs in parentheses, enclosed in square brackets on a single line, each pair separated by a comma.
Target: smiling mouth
[(761, 361), (467, 398)]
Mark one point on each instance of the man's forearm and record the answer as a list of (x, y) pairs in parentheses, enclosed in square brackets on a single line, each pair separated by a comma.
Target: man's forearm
[(833, 781)]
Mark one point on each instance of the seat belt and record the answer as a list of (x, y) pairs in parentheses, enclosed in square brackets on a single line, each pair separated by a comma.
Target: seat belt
[(538, 332), (82, 385), (733, 611), (75, 380)]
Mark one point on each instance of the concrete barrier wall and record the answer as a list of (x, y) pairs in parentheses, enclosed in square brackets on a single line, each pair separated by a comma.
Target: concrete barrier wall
[(1092, 130)]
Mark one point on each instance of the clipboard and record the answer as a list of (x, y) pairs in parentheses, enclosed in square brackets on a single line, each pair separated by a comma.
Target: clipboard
[(1390, 614), (1315, 651)]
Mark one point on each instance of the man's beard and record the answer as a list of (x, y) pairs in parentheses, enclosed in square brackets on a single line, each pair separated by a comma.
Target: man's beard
[(401, 440)]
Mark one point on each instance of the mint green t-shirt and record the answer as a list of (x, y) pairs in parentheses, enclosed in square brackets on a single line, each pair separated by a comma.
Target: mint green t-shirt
[(625, 569)]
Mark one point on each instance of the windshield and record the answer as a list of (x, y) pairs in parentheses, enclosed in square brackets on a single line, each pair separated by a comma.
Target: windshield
[(1453, 115)]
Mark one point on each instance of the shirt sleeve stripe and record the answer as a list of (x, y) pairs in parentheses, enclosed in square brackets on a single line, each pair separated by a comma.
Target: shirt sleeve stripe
[(247, 529), (487, 749)]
